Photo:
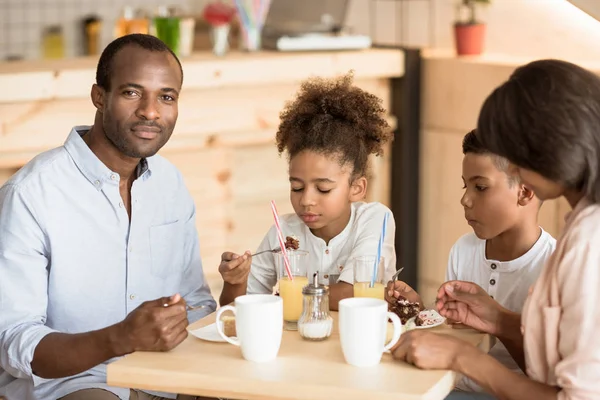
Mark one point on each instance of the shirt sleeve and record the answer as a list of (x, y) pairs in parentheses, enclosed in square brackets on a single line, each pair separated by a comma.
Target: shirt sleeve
[(369, 226), (194, 288), (452, 268), (578, 367), (23, 283), (263, 273)]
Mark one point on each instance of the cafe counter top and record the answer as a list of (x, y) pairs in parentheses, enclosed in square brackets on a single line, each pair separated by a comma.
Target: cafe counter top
[(72, 78)]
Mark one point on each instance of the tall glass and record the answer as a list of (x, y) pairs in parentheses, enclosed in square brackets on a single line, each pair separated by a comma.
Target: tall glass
[(363, 268), (168, 30), (291, 290)]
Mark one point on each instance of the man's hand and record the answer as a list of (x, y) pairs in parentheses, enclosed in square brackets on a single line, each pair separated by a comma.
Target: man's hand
[(398, 288), (157, 325), (235, 268), (468, 304)]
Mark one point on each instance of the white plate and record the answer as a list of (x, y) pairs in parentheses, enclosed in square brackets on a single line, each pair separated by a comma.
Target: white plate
[(208, 332), (431, 316)]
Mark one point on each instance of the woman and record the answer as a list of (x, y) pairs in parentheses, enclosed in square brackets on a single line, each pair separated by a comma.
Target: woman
[(546, 120)]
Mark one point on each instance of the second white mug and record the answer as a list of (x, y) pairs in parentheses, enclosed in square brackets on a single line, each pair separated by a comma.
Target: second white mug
[(363, 329), (258, 325)]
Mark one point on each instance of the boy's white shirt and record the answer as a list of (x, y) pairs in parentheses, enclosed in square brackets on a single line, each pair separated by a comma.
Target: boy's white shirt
[(360, 237), (511, 282)]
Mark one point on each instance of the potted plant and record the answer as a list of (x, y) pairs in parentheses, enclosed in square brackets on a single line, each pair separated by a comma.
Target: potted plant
[(469, 32)]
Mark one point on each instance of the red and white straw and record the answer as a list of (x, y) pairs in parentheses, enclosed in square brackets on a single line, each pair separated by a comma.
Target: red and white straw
[(286, 260)]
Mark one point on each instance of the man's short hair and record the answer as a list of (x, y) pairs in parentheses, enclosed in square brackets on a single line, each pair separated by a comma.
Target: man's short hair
[(147, 42)]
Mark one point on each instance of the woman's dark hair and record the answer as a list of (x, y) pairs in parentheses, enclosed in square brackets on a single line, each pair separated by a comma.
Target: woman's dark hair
[(546, 118), (333, 117)]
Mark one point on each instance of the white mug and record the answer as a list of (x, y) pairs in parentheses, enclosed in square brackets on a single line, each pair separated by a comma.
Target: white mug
[(363, 330), (258, 324)]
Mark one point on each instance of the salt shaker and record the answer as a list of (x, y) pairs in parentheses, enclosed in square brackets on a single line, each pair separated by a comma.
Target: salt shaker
[(315, 323)]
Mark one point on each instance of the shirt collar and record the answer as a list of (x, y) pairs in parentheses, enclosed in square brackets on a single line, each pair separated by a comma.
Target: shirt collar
[(340, 237), (90, 165)]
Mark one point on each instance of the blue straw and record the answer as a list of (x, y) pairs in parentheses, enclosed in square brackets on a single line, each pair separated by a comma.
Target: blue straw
[(379, 249), (243, 14)]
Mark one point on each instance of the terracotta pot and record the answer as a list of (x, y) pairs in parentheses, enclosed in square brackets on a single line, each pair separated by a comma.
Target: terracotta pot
[(469, 38)]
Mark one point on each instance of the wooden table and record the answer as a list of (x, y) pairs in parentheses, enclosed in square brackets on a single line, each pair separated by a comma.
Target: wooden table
[(303, 370)]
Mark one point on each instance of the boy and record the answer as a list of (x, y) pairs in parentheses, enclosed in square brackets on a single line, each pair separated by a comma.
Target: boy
[(507, 249)]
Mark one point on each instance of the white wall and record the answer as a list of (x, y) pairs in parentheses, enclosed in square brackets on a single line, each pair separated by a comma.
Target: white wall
[(522, 28)]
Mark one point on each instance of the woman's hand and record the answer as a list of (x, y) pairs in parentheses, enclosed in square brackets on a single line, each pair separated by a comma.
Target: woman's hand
[(429, 350), (468, 304)]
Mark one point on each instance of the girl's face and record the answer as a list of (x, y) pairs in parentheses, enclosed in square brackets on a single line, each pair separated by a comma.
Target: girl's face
[(321, 192)]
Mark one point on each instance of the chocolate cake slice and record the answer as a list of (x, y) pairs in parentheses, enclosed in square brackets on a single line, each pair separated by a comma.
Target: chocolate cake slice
[(405, 309), (291, 243)]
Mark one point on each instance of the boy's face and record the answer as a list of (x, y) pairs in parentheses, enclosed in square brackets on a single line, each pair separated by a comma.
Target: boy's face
[(321, 193), (491, 204)]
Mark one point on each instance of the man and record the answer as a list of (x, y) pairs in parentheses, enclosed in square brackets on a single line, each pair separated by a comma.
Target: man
[(99, 253)]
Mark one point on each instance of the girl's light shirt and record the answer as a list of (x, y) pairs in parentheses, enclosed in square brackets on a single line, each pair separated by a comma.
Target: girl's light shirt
[(360, 237)]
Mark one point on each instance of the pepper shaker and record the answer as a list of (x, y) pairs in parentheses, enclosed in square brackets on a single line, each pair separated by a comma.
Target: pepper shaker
[(315, 323)]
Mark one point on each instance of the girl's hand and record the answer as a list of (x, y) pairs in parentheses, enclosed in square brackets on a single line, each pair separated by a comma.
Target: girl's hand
[(235, 268), (429, 350)]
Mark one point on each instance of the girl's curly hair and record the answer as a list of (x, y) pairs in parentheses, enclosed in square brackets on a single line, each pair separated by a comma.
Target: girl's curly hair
[(333, 117)]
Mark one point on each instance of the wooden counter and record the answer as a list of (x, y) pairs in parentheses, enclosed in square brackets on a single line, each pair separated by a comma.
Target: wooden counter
[(224, 139)]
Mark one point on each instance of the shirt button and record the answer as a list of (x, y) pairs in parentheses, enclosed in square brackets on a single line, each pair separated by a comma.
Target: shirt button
[(326, 251), (494, 266), (492, 281), (113, 177), (121, 204), (132, 297), (97, 183)]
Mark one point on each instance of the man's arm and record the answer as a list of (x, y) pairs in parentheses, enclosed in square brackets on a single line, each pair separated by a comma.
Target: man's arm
[(31, 348), (150, 327)]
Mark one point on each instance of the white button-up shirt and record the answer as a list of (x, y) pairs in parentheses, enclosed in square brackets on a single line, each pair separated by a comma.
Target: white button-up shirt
[(332, 260), (72, 261)]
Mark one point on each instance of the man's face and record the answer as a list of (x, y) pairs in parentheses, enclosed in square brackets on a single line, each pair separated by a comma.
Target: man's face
[(140, 110)]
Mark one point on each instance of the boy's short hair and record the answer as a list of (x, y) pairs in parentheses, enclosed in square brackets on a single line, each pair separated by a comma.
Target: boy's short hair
[(472, 144)]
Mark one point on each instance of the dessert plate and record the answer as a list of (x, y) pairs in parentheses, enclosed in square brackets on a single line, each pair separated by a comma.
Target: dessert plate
[(431, 319), (208, 332)]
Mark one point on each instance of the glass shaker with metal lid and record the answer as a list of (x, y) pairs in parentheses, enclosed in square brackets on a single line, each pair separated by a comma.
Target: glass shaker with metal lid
[(315, 323)]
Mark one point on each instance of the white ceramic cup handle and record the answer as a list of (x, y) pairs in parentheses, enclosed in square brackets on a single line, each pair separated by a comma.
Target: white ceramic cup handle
[(220, 325), (397, 331)]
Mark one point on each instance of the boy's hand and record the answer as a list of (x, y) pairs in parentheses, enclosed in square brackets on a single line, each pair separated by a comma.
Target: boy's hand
[(398, 288), (235, 268)]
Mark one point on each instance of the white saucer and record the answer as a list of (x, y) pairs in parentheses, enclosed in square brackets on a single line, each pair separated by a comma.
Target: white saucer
[(431, 317), (209, 333)]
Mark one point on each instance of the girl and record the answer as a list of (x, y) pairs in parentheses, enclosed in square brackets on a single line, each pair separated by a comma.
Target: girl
[(328, 132), (545, 119)]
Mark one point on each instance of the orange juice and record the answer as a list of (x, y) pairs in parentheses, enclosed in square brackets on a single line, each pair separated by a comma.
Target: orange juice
[(362, 289), (291, 293)]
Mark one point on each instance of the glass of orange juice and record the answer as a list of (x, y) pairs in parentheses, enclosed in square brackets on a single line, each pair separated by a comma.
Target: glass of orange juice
[(291, 290), (363, 267)]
